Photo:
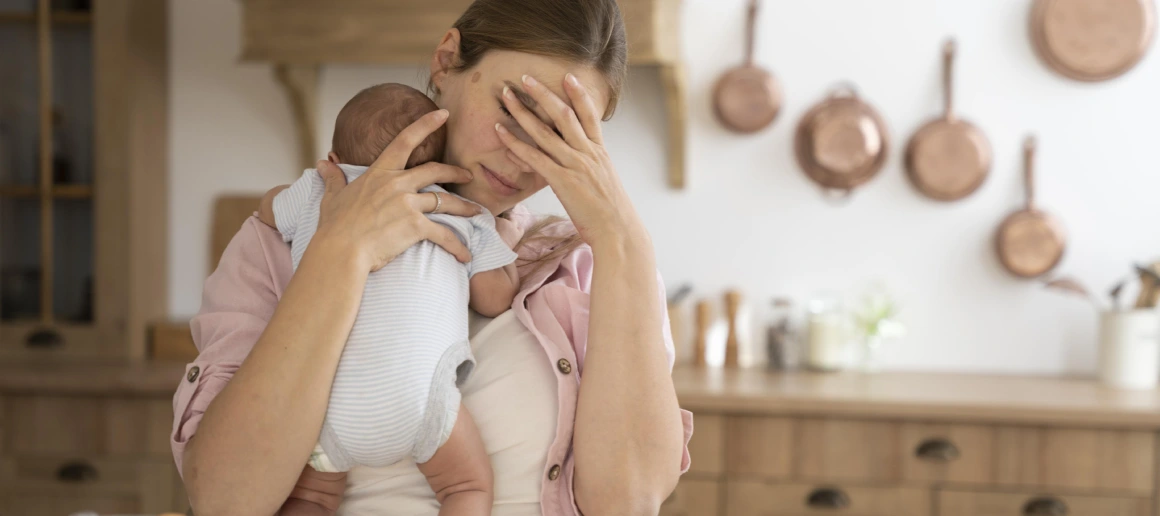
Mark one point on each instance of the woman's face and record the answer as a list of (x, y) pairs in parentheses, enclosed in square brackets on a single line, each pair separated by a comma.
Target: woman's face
[(473, 99)]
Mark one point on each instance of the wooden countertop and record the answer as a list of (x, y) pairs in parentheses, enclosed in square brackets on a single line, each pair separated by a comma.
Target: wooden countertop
[(913, 396), (95, 378), (918, 396)]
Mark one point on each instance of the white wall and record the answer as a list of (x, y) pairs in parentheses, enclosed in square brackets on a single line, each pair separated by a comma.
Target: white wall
[(749, 218)]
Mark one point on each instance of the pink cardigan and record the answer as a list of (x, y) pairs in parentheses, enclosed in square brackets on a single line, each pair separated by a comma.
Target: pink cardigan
[(240, 296)]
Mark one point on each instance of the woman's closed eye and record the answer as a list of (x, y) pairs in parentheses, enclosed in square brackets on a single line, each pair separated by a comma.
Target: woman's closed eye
[(509, 115)]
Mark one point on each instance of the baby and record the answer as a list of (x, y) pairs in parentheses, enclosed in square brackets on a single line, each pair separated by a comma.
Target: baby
[(395, 393)]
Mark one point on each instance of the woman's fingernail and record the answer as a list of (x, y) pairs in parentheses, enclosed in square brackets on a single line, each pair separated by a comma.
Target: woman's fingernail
[(501, 128), (443, 113), (572, 80), (529, 80), (507, 93)]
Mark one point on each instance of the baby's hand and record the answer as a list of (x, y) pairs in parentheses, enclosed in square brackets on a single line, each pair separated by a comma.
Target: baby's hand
[(509, 231), (266, 209)]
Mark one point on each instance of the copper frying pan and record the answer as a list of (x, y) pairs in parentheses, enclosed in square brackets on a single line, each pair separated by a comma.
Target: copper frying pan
[(1092, 40), (948, 158), (1030, 242), (747, 98)]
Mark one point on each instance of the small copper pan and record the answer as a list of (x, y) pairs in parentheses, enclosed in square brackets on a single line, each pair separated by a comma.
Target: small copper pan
[(841, 142), (1092, 40), (747, 98), (1030, 242), (948, 158)]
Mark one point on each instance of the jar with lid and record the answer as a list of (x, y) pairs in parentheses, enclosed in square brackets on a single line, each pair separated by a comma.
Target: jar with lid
[(827, 342)]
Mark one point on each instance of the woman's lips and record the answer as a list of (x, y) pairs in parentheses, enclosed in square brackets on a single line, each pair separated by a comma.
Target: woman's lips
[(497, 183)]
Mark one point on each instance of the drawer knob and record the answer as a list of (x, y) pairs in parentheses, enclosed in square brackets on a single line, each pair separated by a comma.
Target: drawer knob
[(937, 450), (77, 472), (1046, 506), (44, 339), (828, 498)]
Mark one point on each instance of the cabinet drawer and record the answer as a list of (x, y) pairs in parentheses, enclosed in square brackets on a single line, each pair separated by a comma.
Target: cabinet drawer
[(63, 486), (839, 449), (749, 498), (761, 446), (707, 445), (1056, 458), (693, 497), (85, 426), (963, 503)]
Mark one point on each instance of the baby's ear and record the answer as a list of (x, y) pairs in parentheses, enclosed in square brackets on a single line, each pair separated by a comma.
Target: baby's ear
[(332, 157)]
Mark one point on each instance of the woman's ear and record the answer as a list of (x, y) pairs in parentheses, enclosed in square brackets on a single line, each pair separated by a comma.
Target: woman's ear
[(446, 55), (332, 157)]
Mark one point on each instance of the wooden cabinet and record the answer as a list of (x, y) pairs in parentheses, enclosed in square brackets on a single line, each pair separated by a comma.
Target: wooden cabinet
[(83, 188), (693, 498), (750, 498), (757, 446), (843, 449), (92, 437), (55, 487), (901, 445)]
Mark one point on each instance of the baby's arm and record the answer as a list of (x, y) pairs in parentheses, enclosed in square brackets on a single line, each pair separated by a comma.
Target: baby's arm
[(492, 291), (266, 209)]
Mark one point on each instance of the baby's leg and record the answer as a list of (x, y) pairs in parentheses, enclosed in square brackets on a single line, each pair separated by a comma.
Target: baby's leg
[(460, 471), (316, 494), (300, 507)]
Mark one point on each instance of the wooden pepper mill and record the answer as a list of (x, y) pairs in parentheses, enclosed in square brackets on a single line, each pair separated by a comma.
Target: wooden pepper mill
[(732, 306), (704, 322)]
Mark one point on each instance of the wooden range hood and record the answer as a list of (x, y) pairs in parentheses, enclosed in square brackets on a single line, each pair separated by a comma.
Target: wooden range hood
[(299, 36)]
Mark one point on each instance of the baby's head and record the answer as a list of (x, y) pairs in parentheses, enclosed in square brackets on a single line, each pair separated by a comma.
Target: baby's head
[(375, 116)]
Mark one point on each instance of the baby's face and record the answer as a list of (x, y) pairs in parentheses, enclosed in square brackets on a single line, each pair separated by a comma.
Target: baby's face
[(473, 99)]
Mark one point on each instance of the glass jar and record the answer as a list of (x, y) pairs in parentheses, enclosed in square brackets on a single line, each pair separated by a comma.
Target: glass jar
[(827, 334)]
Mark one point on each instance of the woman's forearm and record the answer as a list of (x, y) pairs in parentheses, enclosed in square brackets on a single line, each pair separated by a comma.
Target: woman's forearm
[(628, 436), (258, 432)]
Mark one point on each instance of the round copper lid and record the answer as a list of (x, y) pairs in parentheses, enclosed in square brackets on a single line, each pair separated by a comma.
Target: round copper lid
[(1092, 40)]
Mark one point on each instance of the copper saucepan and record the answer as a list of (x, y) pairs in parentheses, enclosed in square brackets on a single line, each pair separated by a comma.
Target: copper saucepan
[(747, 98), (948, 158), (1092, 40), (1030, 242), (842, 142)]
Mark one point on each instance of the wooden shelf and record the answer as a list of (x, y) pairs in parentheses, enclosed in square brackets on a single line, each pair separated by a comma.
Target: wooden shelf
[(299, 36), (58, 192), (64, 18)]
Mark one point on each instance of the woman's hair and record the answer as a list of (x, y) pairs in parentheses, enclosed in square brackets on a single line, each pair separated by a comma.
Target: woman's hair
[(585, 32)]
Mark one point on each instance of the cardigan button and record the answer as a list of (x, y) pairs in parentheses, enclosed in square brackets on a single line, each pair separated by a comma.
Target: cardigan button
[(192, 375), (554, 473), (564, 365)]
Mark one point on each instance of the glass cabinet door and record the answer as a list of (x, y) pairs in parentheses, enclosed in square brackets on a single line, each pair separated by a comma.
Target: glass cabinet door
[(46, 166)]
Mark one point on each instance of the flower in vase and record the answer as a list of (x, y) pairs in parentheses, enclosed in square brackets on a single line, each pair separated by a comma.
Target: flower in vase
[(877, 316)]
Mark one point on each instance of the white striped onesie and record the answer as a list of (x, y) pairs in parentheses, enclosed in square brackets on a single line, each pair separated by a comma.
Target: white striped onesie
[(395, 393)]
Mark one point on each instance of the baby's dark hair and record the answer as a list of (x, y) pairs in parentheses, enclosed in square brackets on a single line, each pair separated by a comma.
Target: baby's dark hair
[(375, 116)]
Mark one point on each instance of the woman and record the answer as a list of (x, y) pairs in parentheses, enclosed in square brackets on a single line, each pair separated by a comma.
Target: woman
[(526, 84)]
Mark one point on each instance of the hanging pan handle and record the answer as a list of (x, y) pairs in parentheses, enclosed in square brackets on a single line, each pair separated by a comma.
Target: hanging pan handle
[(838, 196), (750, 31), (1029, 145), (844, 89), (949, 78)]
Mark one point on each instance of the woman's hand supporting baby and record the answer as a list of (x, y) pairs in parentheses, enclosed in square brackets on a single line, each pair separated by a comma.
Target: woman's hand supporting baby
[(281, 391)]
